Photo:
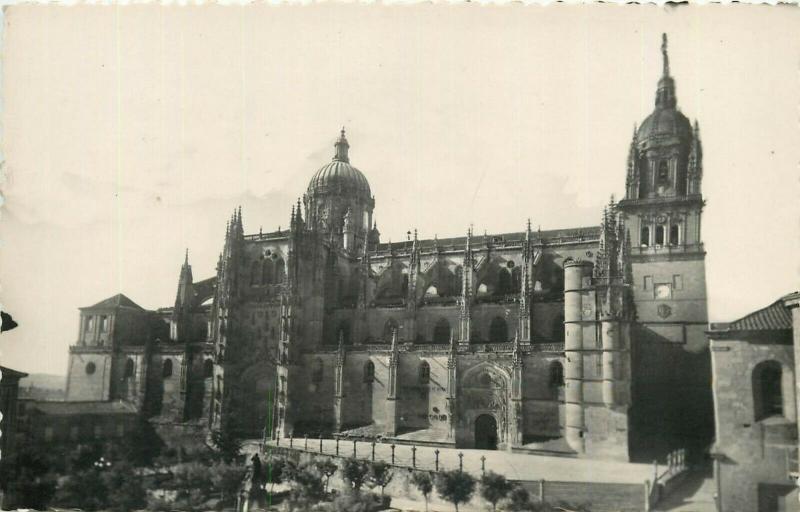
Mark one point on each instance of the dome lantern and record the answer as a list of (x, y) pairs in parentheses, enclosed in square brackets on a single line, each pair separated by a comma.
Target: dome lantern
[(665, 96), (341, 148)]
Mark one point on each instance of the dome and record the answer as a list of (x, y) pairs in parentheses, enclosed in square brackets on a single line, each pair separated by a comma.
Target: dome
[(665, 123), (339, 176)]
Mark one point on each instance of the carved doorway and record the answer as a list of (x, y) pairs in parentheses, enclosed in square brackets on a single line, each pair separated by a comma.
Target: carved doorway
[(486, 432)]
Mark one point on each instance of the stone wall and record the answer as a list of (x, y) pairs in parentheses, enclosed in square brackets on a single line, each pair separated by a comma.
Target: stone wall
[(752, 452), (89, 376)]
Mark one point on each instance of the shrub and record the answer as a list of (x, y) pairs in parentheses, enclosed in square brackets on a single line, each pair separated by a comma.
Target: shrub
[(424, 484), (125, 489), (494, 488), (455, 486), (226, 479), (356, 502), (354, 473), (158, 504), (193, 499), (84, 456), (191, 475), (83, 489)]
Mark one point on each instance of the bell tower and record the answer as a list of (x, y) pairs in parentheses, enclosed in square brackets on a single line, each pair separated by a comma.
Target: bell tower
[(663, 206)]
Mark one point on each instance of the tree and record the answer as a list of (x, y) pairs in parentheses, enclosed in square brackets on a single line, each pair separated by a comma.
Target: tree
[(494, 488), (143, 445), (455, 486), (424, 484), (380, 474), (276, 471), (227, 441), (125, 490), (354, 473), (29, 477), (327, 468), (520, 499), (31, 489), (307, 487)]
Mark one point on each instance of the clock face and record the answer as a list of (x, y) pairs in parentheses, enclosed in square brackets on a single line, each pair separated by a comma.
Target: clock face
[(663, 291)]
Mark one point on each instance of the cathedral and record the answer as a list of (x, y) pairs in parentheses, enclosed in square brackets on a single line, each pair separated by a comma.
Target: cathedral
[(585, 342)]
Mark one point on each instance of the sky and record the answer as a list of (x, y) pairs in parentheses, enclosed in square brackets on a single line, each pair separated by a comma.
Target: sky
[(131, 133)]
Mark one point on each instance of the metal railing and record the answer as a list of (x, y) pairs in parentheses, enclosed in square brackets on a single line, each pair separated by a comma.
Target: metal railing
[(407, 456)]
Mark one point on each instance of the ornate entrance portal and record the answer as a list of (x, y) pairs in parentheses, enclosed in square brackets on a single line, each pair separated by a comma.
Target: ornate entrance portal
[(486, 432)]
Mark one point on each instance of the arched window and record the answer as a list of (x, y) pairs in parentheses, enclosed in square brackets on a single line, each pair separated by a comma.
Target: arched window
[(556, 374), (316, 374), (558, 329), (129, 368), (280, 271), (255, 273), (503, 282), (674, 235), (498, 330), (441, 331), (644, 237), (424, 372), (660, 235), (208, 369), (166, 370), (767, 390), (404, 285), (388, 329), (369, 372), (267, 272), (663, 173), (90, 368)]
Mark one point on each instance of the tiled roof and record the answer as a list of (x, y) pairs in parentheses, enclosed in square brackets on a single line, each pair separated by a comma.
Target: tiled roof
[(118, 300), (76, 408), (12, 373), (774, 317)]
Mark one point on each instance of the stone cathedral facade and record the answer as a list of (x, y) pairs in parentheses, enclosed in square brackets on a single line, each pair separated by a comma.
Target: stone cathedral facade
[(586, 342)]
